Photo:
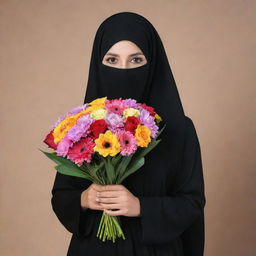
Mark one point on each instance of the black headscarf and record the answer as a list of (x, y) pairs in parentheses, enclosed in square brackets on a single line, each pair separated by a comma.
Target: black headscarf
[(152, 83), (170, 185)]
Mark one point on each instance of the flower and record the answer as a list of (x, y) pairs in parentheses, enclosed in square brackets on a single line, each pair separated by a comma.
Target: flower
[(97, 127), (142, 135), (77, 109), (158, 118), (148, 108), (81, 128), (98, 114), (131, 124), (116, 106), (127, 141), (130, 103), (63, 146), (62, 128), (114, 122), (149, 121), (107, 144), (98, 102), (81, 151), (49, 140), (131, 112), (60, 118)]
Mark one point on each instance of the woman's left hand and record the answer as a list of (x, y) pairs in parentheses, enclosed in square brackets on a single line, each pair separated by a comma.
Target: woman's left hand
[(118, 197)]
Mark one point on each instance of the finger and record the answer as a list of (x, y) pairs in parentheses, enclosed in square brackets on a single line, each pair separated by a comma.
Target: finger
[(98, 207), (108, 200), (112, 193), (114, 213), (110, 206), (113, 187)]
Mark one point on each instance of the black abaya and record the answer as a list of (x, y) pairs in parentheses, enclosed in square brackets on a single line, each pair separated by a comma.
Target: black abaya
[(170, 185)]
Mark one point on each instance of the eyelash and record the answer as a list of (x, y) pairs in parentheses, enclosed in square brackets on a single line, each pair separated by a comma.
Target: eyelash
[(141, 59)]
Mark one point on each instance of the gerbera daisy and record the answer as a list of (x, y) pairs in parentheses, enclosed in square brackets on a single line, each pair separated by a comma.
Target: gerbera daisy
[(107, 144), (116, 106), (127, 141), (81, 151)]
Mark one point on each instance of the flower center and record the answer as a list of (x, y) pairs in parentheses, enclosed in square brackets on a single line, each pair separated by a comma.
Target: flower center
[(126, 142), (107, 144)]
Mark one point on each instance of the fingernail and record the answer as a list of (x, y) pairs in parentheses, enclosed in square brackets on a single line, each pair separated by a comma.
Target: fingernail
[(97, 199)]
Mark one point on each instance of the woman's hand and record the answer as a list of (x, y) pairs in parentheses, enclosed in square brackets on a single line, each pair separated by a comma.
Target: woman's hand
[(107, 197), (88, 198), (117, 197)]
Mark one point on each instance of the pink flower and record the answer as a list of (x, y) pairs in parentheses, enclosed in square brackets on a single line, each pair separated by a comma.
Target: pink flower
[(116, 106), (127, 141), (63, 146), (81, 151)]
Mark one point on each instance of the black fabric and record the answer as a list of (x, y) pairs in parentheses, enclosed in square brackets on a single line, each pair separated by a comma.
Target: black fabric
[(170, 186)]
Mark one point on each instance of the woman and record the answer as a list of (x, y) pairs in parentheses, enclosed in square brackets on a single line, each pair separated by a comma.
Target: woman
[(161, 206)]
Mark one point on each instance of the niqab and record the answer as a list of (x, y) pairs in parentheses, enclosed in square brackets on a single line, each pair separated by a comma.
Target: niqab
[(170, 185)]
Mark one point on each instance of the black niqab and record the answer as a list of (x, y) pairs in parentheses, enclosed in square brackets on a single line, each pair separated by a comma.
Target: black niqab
[(170, 185)]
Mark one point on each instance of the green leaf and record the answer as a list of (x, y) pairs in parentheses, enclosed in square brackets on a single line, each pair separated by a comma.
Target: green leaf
[(72, 172), (123, 166), (138, 164), (110, 170)]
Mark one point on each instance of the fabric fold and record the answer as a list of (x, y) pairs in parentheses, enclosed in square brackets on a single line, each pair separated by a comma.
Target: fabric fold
[(66, 204), (164, 218)]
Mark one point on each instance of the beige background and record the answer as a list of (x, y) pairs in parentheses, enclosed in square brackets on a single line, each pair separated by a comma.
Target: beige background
[(45, 55)]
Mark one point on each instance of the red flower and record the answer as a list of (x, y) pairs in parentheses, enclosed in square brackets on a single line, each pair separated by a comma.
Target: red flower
[(81, 151), (49, 140), (149, 109), (131, 124), (97, 127)]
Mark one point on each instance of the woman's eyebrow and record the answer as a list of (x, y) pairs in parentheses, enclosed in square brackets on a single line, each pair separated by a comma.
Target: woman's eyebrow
[(133, 54)]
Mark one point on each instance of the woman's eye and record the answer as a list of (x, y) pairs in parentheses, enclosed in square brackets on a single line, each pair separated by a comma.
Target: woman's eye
[(110, 59), (137, 58)]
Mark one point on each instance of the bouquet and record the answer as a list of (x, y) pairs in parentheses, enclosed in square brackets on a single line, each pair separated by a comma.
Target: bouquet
[(104, 141)]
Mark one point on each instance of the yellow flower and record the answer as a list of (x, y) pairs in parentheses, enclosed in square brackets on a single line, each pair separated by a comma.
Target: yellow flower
[(131, 112), (158, 118), (98, 102), (62, 128), (142, 135), (98, 114), (107, 144)]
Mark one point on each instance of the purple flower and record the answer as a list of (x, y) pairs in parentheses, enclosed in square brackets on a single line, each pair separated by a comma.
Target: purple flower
[(149, 121), (81, 128), (130, 103), (114, 121), (63, 146), (60, 118), (77, 109)]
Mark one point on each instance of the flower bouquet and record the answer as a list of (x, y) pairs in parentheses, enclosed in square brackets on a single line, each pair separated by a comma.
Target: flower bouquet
[(104, 141)]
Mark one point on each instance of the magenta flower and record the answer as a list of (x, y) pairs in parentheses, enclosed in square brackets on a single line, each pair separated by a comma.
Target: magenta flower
[(116, 106), (127, 141), (81, 151), (63, 146)]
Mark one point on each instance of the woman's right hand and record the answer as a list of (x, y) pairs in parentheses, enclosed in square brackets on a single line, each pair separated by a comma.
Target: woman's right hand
[(88, 198)]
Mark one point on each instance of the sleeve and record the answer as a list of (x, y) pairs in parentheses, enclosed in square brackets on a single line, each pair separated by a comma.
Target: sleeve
[(66, 204), (164, 218)]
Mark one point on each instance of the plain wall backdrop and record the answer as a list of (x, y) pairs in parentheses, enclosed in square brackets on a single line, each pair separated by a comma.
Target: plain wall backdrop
[(45, 55)]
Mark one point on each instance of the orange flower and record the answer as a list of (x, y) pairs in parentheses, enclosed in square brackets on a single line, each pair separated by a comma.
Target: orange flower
[(142, 135)]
